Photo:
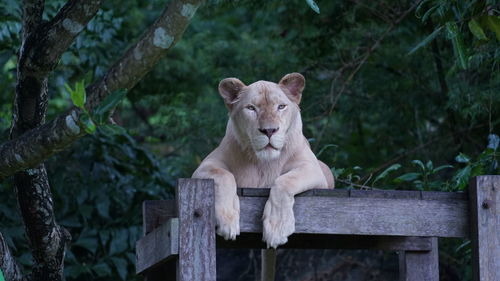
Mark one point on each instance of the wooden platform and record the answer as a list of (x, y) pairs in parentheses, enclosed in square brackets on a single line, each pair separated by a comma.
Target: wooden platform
[(180, 237)]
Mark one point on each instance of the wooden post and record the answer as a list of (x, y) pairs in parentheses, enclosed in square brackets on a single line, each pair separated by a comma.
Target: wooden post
[(155, 213), (485, 228), (196, 230), (420, 265)]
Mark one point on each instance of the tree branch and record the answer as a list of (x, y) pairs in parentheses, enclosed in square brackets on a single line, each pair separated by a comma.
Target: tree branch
[(47, 239), (42, 48), (138, 60), (8, 265), (38, 144), (32, 16)]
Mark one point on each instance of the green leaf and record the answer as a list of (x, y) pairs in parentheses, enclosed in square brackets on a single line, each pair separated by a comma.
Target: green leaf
[(407, 177), (419, 163), (427, 40), (442, 168), (429, 165), (457, 42), (462, 158), (121, 267), (118, 241), (112, 129), (382, 175), (102, 269), (78, 95), (313, 5), (429, 13), (112, 100), (87, 123), (493, 23), (88, 243), (461, 178), (476, 30), (1, 276)]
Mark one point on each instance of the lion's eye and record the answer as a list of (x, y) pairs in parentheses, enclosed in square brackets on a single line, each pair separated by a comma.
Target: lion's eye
[(251, 107), (281, 106)]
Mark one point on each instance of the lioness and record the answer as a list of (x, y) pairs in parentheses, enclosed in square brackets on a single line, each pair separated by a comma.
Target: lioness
[(263, 147)]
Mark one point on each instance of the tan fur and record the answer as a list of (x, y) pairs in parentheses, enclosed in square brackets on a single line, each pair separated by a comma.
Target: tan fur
[(247, 157)]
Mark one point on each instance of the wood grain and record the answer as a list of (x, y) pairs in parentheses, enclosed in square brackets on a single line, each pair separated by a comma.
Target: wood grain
[(485, 232), (159, 246), (367, 216), (195, 201), (420, 266)]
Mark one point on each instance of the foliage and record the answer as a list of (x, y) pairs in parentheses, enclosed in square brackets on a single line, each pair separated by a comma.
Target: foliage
[(98, 195)]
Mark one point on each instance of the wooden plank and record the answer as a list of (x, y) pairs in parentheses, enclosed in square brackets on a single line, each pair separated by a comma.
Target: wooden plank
[(485, 232), (195, 201), (392, 194), (367, 216), (156, 213), (420, 266), (325, 241), (158, 246)]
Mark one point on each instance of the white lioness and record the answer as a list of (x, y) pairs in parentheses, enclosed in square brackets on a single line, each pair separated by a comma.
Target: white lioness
[(263, 147)]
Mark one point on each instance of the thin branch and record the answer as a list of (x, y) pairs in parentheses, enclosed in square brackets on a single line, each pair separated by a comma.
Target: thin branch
[(138, 60), (8, 265), (38, 144)]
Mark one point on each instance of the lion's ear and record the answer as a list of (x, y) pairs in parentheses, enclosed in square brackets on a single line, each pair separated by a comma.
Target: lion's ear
[(229, 89), (294, 83)]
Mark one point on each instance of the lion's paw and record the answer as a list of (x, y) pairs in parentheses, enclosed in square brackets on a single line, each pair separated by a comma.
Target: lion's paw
[(279, 221), (227, 216)]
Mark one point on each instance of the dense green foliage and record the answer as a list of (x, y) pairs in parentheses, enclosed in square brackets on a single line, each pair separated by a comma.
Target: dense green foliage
[(387, 83)]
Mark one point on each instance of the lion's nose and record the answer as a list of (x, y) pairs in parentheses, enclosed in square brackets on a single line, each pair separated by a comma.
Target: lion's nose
[(269, 132)]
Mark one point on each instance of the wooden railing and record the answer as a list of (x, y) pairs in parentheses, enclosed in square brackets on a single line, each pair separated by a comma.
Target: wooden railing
[(179, 240)]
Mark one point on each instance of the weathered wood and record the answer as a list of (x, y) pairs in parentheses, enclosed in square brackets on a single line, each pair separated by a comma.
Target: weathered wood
[(196, 230), (392, 194), (325, 241), (442, 214), (158, 246), (420, 266), (485, 232), (367, 216), (156, 213)]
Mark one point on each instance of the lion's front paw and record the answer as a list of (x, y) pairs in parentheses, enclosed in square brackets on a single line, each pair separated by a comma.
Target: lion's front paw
[(279, 221), (227, 215)]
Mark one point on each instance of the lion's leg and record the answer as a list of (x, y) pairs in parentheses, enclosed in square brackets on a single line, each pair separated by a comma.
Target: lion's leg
[(279, 221), (227, 204)]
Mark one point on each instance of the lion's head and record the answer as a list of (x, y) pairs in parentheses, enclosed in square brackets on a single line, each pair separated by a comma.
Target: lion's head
[(264, 114)]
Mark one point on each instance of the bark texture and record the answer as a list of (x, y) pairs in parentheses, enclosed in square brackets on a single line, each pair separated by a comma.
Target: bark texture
[(9, 266), (33, 140)]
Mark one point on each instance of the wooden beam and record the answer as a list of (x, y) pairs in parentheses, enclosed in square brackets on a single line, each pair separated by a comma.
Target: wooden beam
[(325, 241), (420, 266), (367, 216), (196, 230), (158, 246), (485, 231), (380, 212)]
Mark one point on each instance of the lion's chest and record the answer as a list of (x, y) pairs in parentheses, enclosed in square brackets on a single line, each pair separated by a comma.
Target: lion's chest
[(262, 175)]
